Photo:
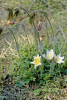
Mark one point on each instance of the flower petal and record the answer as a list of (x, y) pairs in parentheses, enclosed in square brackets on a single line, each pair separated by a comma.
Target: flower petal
[(43, 55), (32, 62), (62, 61), (62, 57), (59, 59), (47, 51)]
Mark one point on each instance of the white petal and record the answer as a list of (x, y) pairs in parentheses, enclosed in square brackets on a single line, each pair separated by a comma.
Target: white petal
[(35, 67), (62, 57), (62, 61), (32, 62), (47, 51), (40, 58), (55, 56), (34, 57), (43, 55), (51, 50), (59, 55), (59, 62), (39, 64), (38, 55)]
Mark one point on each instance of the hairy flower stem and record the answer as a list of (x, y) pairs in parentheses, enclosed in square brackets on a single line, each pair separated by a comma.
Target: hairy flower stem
[(36, 36), (59, 69), (27, 37), (47, 37), (42, 66), (17, 45), (35, 30), (45, 14), (52, 66)]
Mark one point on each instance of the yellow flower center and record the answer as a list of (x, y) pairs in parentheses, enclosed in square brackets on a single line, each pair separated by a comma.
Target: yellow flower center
[(49, 55), (37, 61), (57, 59)]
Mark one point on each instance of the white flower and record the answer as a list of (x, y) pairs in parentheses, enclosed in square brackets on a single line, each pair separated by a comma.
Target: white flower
[(49, 55), (37, 61), (59, 59)]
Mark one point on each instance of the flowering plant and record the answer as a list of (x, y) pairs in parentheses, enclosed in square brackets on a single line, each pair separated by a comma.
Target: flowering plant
[(37, 61)]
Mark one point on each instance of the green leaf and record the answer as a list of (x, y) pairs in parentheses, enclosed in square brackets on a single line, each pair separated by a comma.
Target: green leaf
[(64, 71), (2, 97), (37, 91), (27, 81), (42, 82), (19, 84), (44, 89)]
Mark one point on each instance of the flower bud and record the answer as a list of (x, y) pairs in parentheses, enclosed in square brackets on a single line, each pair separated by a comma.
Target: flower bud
[(39, 26), (12, 22)]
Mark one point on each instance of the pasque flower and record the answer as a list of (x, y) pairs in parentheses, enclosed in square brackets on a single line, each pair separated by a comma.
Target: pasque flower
[(59, 59), (37, 61), (39, 26), (49, 55)]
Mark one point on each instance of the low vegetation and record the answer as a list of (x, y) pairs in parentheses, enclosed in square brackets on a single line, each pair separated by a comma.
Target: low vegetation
[(34, 55)]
